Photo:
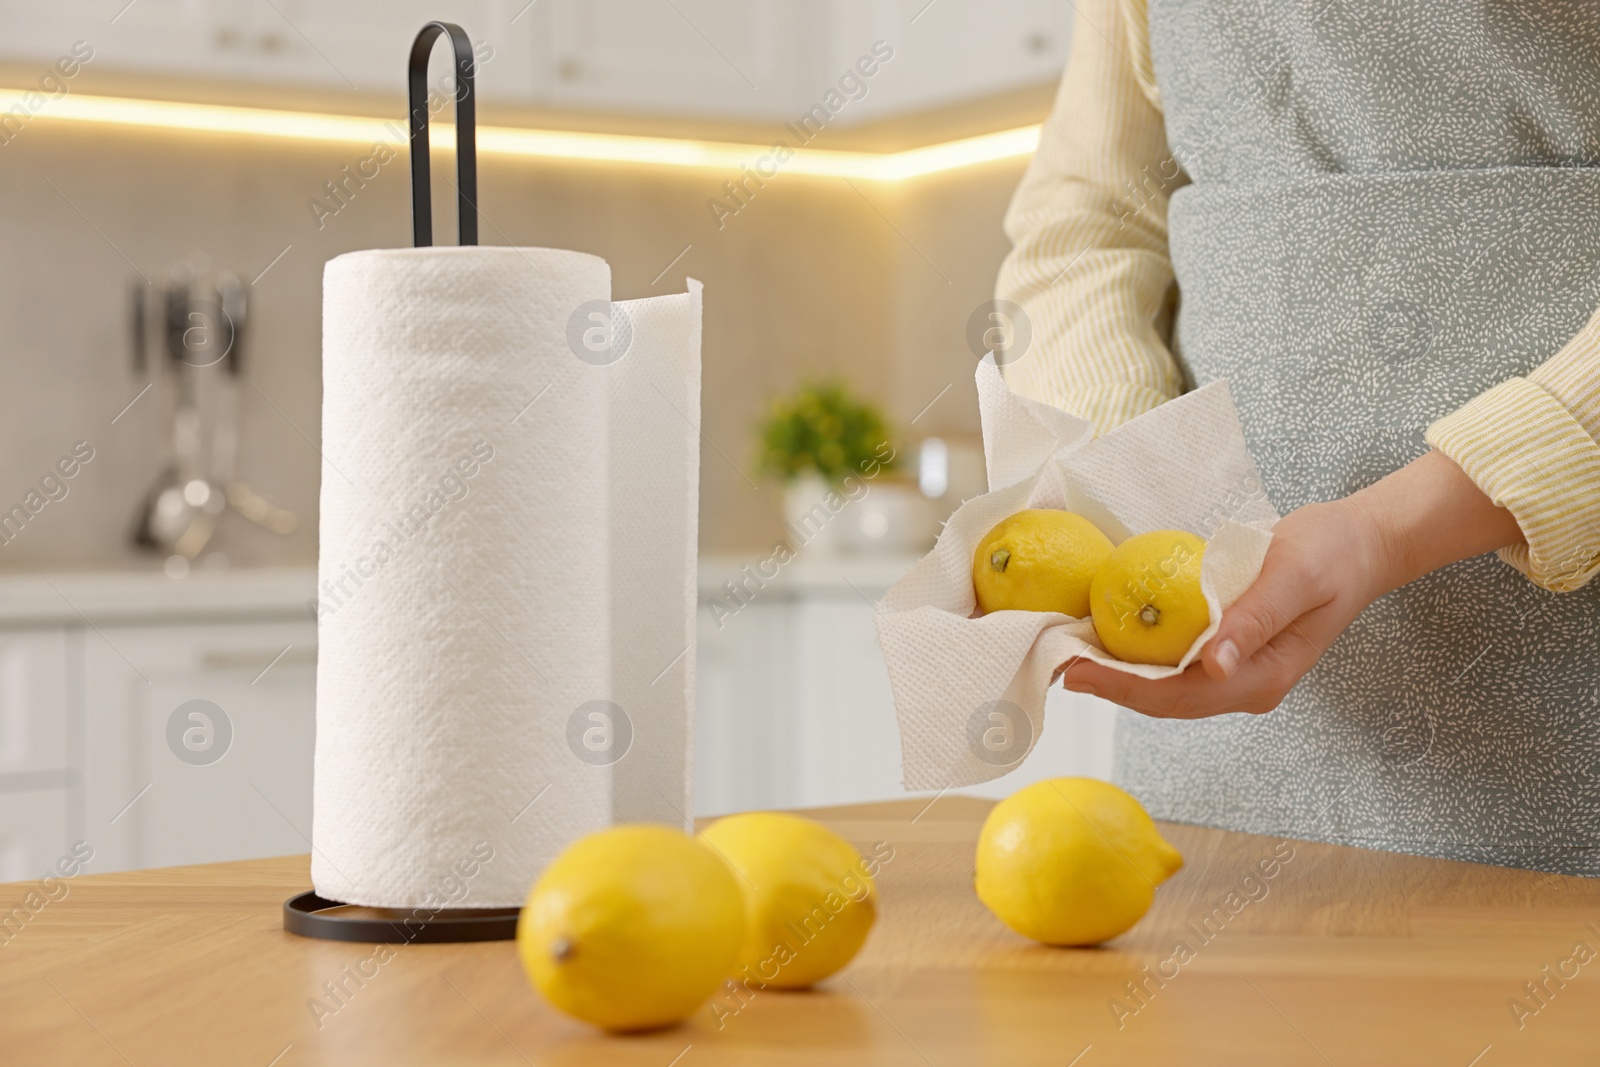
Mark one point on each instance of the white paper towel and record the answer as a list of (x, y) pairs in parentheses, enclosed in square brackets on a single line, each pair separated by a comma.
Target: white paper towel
[(1182, 465), (655, 445), (479, 482)]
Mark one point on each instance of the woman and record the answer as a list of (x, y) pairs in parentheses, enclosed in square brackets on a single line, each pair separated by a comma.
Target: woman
[(1383, 221)]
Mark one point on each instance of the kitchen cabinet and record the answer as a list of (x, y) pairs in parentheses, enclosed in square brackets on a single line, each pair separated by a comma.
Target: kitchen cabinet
[(945, 51), (343, 46), (36, 769), (759, 60), (233, 779), (794, 707), (774, 60), (747, 58), (33, 692), (93, 671), (34, 832), (364, 45)]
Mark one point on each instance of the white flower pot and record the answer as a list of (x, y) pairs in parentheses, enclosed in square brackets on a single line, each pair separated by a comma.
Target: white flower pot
[(892, 517), (870, 515), (813, 516)]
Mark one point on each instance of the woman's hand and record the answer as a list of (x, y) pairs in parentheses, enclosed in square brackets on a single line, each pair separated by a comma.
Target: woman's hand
[(1326, 563)]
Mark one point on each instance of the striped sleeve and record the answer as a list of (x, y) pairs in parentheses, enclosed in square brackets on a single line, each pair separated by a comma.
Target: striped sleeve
[(1089, 265), (1531, 445)]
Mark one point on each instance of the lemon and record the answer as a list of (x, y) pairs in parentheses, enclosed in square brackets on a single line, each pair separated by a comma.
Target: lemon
[(1146, 599), (809, 901), (632, 927), (1039, 560), (1071, 861)]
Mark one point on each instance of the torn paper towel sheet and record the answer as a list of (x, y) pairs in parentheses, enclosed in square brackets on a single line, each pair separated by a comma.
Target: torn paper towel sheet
[(506, 566), (655, 513), (1182, 465)]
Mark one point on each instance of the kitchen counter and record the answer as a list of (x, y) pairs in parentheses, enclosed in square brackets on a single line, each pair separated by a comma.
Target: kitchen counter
[(117, 596), (132, 596), (761, 574), (1340, 956)]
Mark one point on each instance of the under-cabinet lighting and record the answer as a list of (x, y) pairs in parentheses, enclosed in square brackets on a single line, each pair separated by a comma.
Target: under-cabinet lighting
[(19, 108)]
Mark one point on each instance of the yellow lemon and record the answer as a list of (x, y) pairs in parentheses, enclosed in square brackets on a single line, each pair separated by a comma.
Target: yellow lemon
[(1071, 861), (1146, 600), (809, 901), (631, 928), (1039, 560)]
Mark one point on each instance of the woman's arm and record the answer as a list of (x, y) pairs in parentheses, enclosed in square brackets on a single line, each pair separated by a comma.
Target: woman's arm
[(1531, 445), (1089, 264), (1327, 562), (1516, 470)]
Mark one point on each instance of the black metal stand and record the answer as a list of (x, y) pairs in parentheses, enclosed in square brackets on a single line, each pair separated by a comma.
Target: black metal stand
[(466, 136), (308, 914)]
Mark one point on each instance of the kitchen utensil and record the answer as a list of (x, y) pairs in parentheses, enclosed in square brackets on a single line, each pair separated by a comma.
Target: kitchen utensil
[(202, 323)]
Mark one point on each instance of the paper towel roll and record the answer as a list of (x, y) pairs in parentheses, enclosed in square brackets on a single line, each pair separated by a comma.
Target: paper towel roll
[(466, 703)]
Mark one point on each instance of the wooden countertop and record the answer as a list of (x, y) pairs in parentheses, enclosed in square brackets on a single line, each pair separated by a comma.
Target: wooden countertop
[(1344, 956)]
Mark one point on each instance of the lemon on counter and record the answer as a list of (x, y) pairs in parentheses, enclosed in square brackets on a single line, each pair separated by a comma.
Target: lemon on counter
[(632, 927), (1146, 600), (1071, 861), (1039, 560), (809, 901)]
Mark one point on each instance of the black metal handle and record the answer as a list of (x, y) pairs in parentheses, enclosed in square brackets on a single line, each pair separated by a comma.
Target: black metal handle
[(466, 136)]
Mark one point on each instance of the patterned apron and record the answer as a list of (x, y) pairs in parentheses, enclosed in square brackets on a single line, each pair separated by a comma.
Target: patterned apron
[(1393, 206)]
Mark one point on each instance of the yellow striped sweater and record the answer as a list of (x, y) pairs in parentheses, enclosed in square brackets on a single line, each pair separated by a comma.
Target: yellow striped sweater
[(1096, 282)]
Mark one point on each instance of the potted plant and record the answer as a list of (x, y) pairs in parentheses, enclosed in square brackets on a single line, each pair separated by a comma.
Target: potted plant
[(832, 452)]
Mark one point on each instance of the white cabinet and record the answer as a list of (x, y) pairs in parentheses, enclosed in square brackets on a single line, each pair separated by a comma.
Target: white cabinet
[(776, 59), (365, 45), (847, 741), (171, 35), (794, 707), (159, 722), (744, 58), (766, 60), (36, 766), (34, 832), (947, 50), (199, 741), (33, 701), (344, 46)]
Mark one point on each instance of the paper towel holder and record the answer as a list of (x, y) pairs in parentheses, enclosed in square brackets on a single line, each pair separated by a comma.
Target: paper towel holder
[(466, 135), (309, 914)]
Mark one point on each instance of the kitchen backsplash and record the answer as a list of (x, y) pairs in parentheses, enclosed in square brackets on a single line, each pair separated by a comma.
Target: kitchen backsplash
[(872, 281)]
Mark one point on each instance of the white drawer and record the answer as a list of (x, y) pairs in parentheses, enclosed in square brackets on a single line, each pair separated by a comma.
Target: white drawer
[(33, 835), (33, 700)]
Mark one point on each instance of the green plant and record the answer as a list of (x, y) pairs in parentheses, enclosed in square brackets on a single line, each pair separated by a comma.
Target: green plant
[(822, 429)]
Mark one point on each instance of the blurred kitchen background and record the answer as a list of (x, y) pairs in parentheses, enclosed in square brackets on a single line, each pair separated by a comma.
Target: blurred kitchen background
[(160, 391)]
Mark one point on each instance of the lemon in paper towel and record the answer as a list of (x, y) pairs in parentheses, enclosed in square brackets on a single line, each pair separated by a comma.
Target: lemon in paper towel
[(1041, 559), (1071, 861), (809, 901), (631, 928), (1146, 600)]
